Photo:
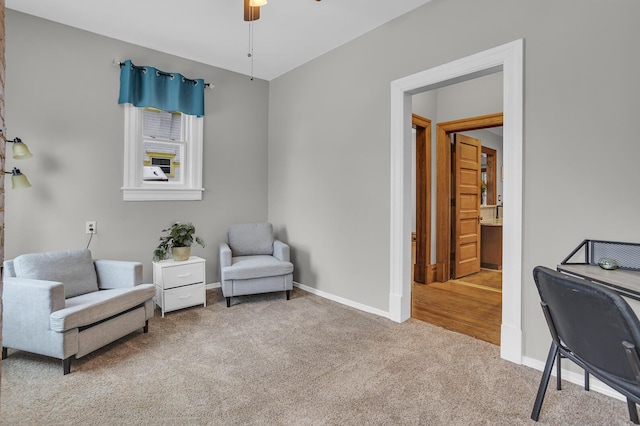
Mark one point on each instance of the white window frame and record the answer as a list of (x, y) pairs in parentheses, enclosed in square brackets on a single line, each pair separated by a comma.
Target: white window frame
[(134, 188)]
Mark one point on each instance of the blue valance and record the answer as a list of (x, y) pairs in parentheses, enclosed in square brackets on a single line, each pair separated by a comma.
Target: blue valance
[(168, 91)]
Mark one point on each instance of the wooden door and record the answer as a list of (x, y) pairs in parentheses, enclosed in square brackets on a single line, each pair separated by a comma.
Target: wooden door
[(466, 214)]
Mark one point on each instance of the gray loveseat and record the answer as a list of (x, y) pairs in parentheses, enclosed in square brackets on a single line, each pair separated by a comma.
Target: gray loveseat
[(63, 304), (253, 261)]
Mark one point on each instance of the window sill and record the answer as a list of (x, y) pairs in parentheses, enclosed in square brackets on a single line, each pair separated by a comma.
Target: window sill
[(155, 194)]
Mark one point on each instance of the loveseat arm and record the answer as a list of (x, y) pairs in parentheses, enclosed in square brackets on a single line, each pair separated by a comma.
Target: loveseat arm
[(281, 251), (225, 255), (118, 273), (27, 306)]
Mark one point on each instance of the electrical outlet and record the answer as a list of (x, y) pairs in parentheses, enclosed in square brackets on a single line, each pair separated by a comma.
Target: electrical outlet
[(91, 227)]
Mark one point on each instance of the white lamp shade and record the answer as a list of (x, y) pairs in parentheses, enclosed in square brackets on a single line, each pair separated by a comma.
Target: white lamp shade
[(257, 3), (20, 150), (18, 180)]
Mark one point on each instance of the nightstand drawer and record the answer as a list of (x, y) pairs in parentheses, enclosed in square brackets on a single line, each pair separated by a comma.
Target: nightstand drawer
[(182, 297), (177, 276)]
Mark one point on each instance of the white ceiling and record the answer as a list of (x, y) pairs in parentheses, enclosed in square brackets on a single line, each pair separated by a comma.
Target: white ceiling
[(288, 34)]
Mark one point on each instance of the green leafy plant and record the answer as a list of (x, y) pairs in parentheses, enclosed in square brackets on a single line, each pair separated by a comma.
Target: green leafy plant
[(178, 235)]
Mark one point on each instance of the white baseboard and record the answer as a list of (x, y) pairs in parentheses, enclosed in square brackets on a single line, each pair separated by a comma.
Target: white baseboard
[(511, 343), (573, 377), (326, 295), (342, 300)]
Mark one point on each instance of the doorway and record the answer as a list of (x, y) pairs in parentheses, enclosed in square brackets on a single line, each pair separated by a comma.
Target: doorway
[(467, 298), (444, 209), (510, 59)]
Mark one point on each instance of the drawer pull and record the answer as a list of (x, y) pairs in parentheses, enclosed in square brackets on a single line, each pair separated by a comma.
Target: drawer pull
[(185, 297), (188, 274)]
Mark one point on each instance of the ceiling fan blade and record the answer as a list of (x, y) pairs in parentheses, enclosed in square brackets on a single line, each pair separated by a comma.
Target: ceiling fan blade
[(251, 13)]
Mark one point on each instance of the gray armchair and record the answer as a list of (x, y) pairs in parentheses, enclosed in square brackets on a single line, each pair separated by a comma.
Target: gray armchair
[(65, 305), (253, 261)]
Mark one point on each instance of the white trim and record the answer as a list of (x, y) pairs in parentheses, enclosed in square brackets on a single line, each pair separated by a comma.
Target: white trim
[(134, 188), (326, 295), (573, 377), (341, 300), (146, 194), (509, 58)]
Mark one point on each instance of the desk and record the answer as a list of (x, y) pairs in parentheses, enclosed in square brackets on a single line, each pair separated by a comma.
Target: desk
[(625, 282)]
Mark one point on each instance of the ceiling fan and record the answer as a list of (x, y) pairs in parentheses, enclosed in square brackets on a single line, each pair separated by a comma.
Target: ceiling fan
[(252, 13), (252, 9)]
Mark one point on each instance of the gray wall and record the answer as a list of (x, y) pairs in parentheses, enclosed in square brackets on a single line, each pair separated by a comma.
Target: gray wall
[(61, 99), (329, 130)]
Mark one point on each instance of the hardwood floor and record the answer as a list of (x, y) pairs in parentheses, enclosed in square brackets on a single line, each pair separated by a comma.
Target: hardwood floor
[(472, 306)]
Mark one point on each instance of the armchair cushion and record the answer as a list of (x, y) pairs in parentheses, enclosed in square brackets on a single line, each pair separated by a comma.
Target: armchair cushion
[(247, 267), (92, 307), (249, 239), (74, 268)]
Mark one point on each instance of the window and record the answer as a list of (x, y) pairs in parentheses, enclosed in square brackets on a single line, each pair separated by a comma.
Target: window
[(163, 155)]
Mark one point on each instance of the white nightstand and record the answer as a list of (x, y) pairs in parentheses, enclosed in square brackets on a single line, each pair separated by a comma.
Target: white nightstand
[(179, 284)]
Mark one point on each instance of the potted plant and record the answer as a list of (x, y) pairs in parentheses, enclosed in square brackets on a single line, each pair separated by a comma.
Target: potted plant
[(179, 238), (483, 191)]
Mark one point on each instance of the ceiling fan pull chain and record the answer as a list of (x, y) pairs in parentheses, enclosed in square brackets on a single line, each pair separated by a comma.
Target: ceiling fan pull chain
[(250, 54)]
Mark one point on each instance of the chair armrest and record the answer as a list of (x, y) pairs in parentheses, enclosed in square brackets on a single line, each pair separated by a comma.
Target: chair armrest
[(28, 304), (281, 251), (225, 255), (118, 273)]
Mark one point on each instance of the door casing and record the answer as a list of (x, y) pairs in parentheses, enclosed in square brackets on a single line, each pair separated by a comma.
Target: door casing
[(443, 182), (508, 58), (423, 198)]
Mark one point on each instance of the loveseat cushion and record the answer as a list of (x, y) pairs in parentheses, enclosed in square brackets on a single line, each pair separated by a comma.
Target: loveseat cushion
[(247, 267), (73, 268), (251, 239), (92, 307)]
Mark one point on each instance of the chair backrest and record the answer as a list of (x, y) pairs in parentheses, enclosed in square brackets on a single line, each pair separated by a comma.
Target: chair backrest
[(590, 320), (74, 268), (249, 239)]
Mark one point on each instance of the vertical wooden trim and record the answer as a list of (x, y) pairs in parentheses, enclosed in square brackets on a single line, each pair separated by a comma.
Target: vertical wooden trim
[(443, 183), (2, 150), (443, 207), (423, 196), (492, 183), (431, 273)]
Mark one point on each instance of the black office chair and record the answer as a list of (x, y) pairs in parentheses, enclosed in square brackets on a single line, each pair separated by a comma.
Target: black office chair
[(593, 327)]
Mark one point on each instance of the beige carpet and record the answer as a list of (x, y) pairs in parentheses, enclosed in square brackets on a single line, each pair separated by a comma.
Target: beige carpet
[(307, 361)]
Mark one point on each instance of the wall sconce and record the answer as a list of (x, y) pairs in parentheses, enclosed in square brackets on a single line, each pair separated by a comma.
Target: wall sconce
[(257, 3), (18, 180), (20, 151)]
